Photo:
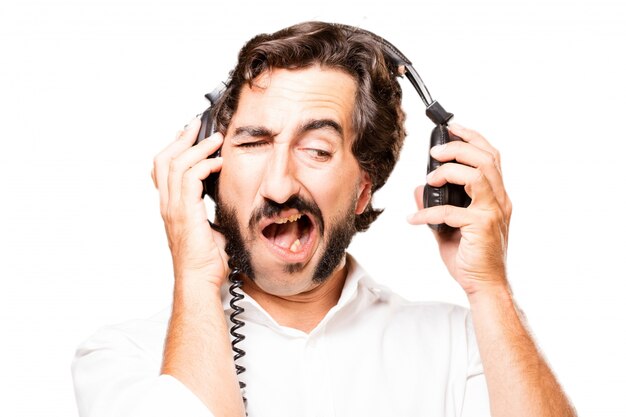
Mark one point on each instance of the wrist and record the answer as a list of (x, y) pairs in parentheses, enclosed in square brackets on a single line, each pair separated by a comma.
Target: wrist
[(498, 292), (193, 290), (206, 275)]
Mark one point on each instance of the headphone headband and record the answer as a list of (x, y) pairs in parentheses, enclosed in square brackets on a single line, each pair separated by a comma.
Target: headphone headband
[(433, 196), (434, 110)]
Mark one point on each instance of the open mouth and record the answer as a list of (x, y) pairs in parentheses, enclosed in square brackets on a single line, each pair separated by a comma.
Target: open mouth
[(291, 234)]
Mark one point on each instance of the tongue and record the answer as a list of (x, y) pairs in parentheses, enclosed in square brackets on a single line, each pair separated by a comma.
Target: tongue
[(286, 234)]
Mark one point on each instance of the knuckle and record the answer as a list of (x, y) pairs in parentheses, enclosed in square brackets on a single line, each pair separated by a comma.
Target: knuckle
[(188, 174), (493, 159), (472, 134), (171, 215), (156, 166), (157, 162), (488, 160), (452, 147), (508, 208), (190, 180), (479, 177), (164, 211), (176, 165)]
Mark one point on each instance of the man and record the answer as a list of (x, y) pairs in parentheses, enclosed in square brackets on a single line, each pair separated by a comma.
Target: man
[(309, 127)]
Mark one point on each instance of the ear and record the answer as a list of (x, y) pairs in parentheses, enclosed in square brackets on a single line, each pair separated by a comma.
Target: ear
[(365, 193)]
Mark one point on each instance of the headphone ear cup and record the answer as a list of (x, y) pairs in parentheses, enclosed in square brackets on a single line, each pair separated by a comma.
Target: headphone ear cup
[(452, 194), (207, 128)]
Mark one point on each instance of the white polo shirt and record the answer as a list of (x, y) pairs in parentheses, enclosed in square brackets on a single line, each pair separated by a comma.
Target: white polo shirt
[(373, 354)]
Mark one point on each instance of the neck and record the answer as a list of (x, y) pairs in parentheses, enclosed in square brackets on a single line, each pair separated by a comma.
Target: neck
[(305, 310)]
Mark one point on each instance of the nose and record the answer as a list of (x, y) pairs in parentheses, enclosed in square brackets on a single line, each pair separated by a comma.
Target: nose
[(280, 182)]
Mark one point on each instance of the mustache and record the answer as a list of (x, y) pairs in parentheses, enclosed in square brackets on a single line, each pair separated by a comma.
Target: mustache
[(271, 208)]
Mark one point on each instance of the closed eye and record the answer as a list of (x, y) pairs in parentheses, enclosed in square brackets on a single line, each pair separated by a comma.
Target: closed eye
[(255, 144)]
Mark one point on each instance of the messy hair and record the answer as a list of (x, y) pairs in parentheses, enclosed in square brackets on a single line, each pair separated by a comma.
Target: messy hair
[(378, 118)]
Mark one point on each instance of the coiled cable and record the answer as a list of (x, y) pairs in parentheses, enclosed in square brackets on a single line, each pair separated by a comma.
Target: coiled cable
[(236, 296)]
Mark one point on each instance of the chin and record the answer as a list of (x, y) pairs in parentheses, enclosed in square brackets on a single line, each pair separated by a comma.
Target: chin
[(285, 279), (292, 279)]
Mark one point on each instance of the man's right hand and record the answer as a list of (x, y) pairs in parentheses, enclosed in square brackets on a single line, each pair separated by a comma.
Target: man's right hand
[(197, 348), (197, 250)]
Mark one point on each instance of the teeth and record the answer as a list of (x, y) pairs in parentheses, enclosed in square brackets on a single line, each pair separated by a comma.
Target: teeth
[(284, 220), (295, 246)]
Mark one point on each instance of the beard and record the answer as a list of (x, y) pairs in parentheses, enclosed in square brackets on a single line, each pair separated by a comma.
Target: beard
[(340, 232)]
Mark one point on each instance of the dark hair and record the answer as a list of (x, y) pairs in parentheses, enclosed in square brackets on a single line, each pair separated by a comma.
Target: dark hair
[(378, 118)]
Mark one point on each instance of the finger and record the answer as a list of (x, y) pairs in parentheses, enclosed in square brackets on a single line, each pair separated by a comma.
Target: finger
[(463, 152), (190, 131), (475, 138), (479, 159), (475, 183), (188, 159), (162, 160), (191, 185), (451, 215)]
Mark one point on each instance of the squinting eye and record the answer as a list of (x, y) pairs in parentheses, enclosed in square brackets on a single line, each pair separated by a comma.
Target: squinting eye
[(319, 154)]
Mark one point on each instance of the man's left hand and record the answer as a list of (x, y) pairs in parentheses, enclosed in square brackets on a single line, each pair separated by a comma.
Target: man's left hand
[(474, 253)]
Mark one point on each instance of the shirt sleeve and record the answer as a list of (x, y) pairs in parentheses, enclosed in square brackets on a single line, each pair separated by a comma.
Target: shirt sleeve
[(476, 402), (476, 398), (115, 374)]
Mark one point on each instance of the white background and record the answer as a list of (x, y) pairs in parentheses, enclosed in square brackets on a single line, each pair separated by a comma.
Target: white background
[(90, 91)]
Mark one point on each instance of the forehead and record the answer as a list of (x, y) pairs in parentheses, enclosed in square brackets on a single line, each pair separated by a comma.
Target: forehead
[(280, 96)]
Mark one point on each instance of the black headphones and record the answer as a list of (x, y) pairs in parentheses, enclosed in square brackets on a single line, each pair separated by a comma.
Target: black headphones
[(452, 194)]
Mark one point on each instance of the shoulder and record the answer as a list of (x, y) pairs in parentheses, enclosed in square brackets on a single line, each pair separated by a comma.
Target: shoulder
[(425, 316), (116, 371), (384, 298), (135, 337), (426, 322)]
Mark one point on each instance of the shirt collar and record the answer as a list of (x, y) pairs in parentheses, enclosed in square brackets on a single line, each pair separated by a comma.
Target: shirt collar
[(357, 281)]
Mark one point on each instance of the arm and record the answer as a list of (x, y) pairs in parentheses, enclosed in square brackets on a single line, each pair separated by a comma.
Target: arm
[(518, 379), (197, 347)]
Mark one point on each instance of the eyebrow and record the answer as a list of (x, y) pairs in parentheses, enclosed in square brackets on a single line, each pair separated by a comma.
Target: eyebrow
[(321, 124), (254, 131), (307, 126)]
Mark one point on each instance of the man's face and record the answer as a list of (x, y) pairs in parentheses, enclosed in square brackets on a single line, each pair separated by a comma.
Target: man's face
[(290, 186)]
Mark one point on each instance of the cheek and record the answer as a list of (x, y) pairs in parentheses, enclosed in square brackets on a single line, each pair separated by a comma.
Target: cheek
[(238, 179), (234, 191), (337, 192)]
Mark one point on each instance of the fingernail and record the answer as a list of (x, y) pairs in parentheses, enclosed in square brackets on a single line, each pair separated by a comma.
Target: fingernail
[(455, 126), (190, 123)]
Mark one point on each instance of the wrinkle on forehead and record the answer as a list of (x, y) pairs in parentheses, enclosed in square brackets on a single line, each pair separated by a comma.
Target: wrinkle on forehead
[(315, 89)]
